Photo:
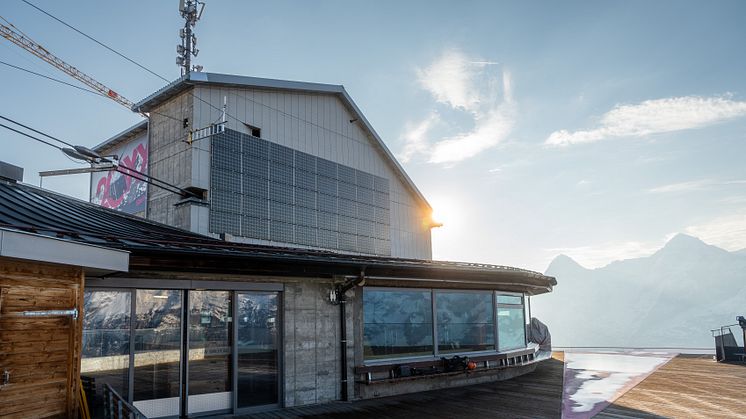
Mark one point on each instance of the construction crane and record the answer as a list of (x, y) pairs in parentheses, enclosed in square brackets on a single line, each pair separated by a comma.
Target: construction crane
[(23, 41)]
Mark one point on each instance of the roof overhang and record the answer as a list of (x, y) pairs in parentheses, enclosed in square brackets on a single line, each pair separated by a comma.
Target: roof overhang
[(192, 79), (131, 132), (378, 271), (35, 247)]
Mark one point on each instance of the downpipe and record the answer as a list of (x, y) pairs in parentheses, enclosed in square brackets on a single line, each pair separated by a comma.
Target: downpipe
[(339, 296)]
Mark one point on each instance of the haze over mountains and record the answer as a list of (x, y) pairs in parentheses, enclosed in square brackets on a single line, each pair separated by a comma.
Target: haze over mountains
[(669, 299)]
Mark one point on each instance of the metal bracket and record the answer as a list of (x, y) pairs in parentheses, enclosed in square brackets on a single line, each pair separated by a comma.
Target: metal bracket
[(48, 313)]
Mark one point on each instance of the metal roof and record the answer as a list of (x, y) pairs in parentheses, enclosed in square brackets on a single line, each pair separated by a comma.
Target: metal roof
[(155, 246), (195, 78)]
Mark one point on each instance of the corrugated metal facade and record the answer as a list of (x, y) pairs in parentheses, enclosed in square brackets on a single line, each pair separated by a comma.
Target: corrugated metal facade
[(316, 124)]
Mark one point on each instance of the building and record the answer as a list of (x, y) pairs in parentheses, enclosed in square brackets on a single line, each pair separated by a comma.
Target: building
[(297, 272), (294, 164)]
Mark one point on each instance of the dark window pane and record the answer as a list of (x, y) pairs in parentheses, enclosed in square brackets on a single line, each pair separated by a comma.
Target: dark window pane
[(397, 323), (257, 349), (465, 321)]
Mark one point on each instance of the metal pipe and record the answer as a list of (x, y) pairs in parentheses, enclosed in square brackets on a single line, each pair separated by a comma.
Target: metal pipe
[(341, 298), (343, 345)]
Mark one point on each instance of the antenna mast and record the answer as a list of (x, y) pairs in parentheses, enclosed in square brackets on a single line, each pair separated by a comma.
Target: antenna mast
[(191, 11)]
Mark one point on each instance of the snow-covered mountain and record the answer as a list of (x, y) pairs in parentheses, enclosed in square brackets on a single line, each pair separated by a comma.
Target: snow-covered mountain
[(669, 299)]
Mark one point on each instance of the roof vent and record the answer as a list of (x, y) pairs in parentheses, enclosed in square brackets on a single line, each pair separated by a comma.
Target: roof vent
[(11, 173)]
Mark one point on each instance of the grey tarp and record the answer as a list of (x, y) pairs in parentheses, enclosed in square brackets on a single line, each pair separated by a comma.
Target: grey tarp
[(538, 333)]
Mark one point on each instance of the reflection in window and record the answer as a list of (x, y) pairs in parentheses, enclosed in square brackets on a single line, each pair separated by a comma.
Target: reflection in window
[(509, 299), (397, 323), (157, 345), (257, 348), (510, 328), (210, 343), (465, 321), (106, 339)]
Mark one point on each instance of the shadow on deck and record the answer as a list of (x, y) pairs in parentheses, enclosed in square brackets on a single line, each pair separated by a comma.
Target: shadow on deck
[(687, 386), (535, 395)]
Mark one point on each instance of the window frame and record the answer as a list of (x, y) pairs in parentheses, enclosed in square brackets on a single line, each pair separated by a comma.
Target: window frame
[(521, 306), (435, 353)]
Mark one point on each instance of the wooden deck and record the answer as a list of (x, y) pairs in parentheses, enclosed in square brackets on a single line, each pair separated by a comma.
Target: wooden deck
[(534, 395), (687, 387)]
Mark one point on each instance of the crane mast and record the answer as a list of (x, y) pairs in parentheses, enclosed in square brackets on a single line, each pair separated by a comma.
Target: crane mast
[(29, 45)]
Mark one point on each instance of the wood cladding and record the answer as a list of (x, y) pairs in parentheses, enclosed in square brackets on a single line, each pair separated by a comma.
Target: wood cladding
[(42, 354)]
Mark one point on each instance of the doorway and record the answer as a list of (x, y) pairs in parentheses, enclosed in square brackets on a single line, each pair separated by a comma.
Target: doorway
[(186, 352)]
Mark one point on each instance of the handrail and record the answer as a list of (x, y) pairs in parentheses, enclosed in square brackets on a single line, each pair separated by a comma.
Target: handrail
[(115, 407)]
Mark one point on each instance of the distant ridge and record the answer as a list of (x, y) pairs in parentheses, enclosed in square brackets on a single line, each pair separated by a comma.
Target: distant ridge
[(670, 298)]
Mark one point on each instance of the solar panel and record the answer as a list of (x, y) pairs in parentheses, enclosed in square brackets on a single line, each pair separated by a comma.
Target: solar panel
[(263, 190)]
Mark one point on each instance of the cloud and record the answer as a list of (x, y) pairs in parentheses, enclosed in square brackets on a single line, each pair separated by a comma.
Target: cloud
[(463, 84), (727, 232), (694, 185), (653, 117), (415, 137)]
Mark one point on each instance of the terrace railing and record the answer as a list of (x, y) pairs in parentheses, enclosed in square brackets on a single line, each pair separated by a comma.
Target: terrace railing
[(115, 407)]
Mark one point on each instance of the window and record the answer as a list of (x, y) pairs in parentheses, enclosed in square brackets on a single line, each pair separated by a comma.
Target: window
[(397, 323), (425, 322), (465, 321), (106, 338), (511, 326), (255, 131)]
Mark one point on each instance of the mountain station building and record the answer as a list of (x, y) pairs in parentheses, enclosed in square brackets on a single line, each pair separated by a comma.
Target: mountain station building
[(297, 269)]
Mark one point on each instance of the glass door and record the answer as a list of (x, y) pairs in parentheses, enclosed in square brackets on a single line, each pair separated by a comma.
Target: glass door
[(257, 348), (157, 359), (209, 358)]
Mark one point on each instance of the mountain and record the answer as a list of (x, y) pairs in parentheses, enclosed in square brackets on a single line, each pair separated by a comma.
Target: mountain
[(669, 299)]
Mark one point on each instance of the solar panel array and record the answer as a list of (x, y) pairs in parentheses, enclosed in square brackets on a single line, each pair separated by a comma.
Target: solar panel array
[(266, 191)]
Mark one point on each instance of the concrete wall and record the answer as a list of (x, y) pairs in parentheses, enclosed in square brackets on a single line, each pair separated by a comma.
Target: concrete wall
[(311, 345), (171, 160)]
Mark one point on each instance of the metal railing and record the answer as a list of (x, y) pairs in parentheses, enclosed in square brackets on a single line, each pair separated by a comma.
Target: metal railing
[(115, 407)]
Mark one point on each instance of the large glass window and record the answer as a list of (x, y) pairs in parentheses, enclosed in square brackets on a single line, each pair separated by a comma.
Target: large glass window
[(397, 323), (511, 325), (106, 339), (465, 321)]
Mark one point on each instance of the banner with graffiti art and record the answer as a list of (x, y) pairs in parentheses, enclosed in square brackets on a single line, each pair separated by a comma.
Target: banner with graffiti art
[(119, 191)]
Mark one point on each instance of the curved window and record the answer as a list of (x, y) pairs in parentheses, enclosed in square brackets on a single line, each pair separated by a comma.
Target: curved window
[(511, 324), (465, 321), (397, 323)]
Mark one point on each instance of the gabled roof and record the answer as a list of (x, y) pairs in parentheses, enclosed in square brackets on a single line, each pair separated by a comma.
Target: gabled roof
[(156, 246), (194, 78)]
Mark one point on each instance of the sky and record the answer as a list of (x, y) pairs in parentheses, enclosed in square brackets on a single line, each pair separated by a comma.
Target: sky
[(596, 129)]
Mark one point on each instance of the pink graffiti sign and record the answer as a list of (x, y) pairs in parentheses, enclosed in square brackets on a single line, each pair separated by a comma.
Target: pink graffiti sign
[(119, 190)]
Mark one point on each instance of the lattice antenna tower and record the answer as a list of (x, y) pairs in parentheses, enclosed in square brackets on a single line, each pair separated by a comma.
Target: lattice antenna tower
[(191, 11)]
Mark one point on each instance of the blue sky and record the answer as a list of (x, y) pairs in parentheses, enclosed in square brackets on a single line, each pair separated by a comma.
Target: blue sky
[(595, 129)]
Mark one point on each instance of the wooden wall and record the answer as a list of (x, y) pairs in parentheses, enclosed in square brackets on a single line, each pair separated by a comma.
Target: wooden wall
[(42, 354)]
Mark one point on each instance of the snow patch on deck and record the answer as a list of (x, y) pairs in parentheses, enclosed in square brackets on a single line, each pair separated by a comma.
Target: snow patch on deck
[(592, 381)]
